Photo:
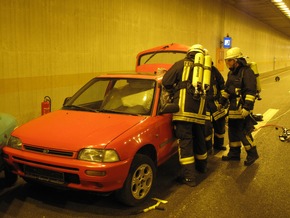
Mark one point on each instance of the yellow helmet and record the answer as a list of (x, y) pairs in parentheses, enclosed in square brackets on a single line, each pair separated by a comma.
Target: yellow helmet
[(234, 53), (197, 48)]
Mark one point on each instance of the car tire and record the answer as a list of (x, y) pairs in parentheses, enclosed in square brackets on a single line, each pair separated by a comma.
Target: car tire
[(139, 183), (10, 178)]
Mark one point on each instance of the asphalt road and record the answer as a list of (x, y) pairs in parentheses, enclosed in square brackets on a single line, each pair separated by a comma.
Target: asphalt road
[(227, 190)]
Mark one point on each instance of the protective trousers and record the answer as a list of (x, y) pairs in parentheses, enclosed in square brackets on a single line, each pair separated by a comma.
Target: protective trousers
[(191, 147), (218, 128), (238, 135), (208, 134)]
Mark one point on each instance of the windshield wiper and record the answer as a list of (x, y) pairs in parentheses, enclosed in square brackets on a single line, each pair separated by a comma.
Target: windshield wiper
[(116, 112), (112, 111), (164, 47), (80, 108), (108, 111)]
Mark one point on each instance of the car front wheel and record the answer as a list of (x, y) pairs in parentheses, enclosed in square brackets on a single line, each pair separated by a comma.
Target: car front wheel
[(139, 183)]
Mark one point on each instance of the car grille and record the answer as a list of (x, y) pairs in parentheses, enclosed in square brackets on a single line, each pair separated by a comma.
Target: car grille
[(48, 151), (49, 175)]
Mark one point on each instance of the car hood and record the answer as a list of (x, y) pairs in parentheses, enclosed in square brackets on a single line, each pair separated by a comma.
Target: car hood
[(72, 130)]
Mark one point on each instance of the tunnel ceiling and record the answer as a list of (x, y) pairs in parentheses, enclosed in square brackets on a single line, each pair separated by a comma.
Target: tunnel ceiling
[(266, 12)]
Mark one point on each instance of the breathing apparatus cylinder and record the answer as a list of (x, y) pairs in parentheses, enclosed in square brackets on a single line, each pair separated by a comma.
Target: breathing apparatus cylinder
[(253, 66), (206, 73), (198, 72)]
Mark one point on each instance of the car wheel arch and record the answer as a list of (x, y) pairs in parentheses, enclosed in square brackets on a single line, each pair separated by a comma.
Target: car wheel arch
[(150, 151), (140, 181)]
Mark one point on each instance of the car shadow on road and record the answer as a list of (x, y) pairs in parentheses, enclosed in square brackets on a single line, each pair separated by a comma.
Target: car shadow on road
[(81, 203)]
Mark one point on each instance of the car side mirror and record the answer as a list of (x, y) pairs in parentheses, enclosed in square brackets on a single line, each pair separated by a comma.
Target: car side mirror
[(169, 108)]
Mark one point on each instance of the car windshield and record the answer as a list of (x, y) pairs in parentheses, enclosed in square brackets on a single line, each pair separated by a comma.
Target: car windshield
[(167, 57), (114, 95)]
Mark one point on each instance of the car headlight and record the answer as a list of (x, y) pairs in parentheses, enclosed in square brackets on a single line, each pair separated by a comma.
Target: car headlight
[(98, 155), (14, 142)]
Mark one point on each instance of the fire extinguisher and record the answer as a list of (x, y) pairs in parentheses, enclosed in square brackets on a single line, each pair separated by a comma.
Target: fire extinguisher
[(46, 105)]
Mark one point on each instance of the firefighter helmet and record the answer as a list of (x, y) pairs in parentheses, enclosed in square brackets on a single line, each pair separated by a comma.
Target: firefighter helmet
[(234, 53), (196, 48)]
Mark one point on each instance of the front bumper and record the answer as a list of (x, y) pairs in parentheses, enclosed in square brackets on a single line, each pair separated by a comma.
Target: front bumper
[(67, 172)]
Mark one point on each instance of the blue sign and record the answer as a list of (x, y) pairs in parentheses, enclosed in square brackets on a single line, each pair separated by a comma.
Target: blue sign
[(227, 42)]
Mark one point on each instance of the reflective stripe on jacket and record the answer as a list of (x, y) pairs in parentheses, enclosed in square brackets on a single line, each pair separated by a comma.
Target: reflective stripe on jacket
[(178, 78)]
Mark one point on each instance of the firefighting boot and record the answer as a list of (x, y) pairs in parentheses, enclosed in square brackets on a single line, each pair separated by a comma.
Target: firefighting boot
[(189, 182), (201, 166), (188, 175), (219, 144), (234, 154), (252, 156)]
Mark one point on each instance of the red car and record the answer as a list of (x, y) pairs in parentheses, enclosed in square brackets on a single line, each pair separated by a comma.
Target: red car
[(110, 136)]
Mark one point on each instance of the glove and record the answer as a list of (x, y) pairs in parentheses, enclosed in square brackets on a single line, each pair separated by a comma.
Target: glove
[(245, 113)]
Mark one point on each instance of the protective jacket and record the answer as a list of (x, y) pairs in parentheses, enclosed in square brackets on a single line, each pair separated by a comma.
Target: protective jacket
[(178, 79), (214, 93), (240, 90)]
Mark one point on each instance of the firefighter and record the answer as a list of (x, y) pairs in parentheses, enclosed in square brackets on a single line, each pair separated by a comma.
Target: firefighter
[(190, 120), (240, 91), (217, 113)]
